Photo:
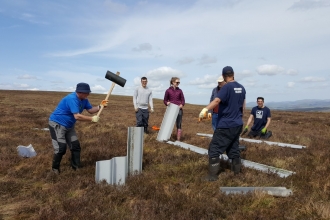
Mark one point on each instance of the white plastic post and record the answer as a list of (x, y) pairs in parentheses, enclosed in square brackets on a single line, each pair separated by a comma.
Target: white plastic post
[(135, 149), (169, 119)]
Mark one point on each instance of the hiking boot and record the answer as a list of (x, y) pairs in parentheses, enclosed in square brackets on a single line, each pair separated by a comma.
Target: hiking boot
[(214, 168), (236, 165)]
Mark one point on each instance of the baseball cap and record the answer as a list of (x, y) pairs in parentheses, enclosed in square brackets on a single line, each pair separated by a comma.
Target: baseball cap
[(227, 69), (83, 87), (220, 79)]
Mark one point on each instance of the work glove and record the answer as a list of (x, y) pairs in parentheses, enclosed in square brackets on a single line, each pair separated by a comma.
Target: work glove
[(202, 114), (263, 131), (152, 110), (95, 118), (209, 115), (104, 103)]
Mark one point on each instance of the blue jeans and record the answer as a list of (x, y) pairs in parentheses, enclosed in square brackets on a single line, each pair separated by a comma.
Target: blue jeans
[(214, 120)]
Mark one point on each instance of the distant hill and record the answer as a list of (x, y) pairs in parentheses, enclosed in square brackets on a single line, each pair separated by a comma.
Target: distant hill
[(299, 105)]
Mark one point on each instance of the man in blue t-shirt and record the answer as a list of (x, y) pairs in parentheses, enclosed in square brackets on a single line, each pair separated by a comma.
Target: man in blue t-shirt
[(62, 121), (231, 102), (262, 117)]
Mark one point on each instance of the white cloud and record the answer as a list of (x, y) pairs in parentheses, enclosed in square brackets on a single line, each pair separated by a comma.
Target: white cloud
[(269, 70), (163, 73), (34, 89), (244, 74), (291, 84), (143, 47), (98, 88), (186, 60), (309, 4), (205, 59), (312, 79), (115, 7), (21, 85), (26, 76), (292, 72)]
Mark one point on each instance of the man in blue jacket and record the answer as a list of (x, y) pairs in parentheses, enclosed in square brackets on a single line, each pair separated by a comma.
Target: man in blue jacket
[(62, 122), (231, 102)]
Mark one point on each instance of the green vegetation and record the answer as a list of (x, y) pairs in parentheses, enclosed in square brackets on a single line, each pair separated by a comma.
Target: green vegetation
[(170, 185)]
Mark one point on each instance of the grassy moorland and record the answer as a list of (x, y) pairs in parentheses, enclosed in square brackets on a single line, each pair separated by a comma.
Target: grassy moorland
[(170, 185)]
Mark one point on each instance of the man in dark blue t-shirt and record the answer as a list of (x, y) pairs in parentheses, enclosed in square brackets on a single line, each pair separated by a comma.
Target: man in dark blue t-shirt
[(262, 117), (231, 102)]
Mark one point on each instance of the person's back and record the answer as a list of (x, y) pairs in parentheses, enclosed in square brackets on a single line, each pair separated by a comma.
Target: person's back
[(230, 113)]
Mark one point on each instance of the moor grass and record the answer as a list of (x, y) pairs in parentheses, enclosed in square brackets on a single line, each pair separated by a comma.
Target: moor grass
[(170, 185)]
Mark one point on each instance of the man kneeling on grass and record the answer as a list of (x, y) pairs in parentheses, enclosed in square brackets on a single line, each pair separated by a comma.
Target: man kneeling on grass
[(262, 117), (62, 121)]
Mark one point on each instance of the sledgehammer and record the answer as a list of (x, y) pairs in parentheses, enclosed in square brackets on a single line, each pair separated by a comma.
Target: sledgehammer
[(116, 79)]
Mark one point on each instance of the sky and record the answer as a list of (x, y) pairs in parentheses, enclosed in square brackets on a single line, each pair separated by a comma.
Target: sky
[(277, 48)]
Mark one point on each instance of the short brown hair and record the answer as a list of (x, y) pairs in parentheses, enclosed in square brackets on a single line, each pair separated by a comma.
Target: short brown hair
[(173, 79)]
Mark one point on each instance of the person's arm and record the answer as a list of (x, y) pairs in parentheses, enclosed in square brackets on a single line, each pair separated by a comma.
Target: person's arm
[(268, 122), (135, 98), (93, 110), (166, 97), (182, 100), (213, 104), (211, 99), (249, 120), (81, 117)]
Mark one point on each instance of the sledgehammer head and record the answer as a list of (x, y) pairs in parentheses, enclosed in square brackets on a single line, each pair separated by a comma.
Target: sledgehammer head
[(115, 78)]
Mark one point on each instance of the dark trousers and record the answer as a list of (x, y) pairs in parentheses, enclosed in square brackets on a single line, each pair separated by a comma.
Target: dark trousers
[(179, 119), (142, 118), (225, 139)]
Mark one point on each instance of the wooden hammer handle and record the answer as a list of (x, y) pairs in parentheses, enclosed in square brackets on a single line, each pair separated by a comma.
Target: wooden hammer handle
[(106, 98)]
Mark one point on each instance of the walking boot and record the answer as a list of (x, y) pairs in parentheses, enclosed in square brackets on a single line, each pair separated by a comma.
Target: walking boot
[(178, 135), (75, 159), (214, 168), (236, 165), (146, 130), (56, 163)]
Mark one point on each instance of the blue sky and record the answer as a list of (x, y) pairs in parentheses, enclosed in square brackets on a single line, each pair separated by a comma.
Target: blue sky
[(279, 49)]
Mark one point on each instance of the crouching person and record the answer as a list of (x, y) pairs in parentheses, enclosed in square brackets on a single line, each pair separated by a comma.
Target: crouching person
[(262, 117), (62, 122)]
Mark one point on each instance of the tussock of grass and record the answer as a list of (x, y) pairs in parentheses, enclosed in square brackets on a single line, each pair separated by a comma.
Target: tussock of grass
[(170, 186)]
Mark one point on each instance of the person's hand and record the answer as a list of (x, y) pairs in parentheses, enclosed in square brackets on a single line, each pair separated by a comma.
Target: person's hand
[(152, 110), (137, 109), (104, 103), (263, 131), (168, 103), (95, 118), (209, 115), (202, 114)]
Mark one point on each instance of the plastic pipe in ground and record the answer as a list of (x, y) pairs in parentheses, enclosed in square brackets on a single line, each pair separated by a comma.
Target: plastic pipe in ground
[(246, 163), (273, 191), (260, 141), (113, 171), (134, 149)]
